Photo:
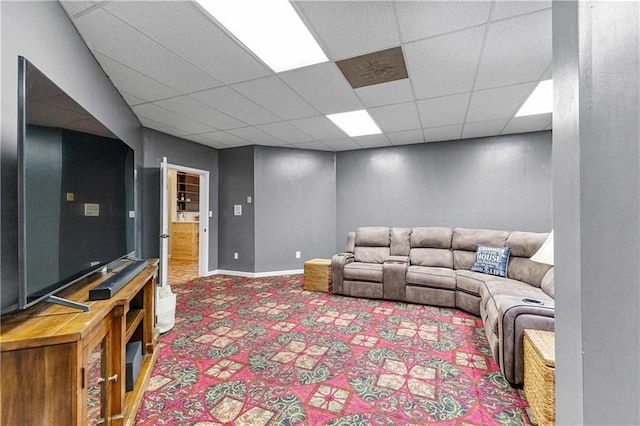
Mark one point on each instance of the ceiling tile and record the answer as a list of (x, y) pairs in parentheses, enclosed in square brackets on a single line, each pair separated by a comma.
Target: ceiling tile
[(393, 92), (444, 133), (372, 141), (199, 139), (548, 126), (170, 118), (132, 100), (315, 145), (122, 43), (342, 144), (190, 107), (443, 111), (517, 50), (530, 123), (185, 28), (483, 128), (394, 118), (422, 19), (318, 127), (224, 138), (75, 7), (351, 28), (444, 65), (501, 102), (233, 103), (133, 82), (406, 137), (508, 9), (277, 97), (324, 87), (161, 127), (286, 132), (256, 136)]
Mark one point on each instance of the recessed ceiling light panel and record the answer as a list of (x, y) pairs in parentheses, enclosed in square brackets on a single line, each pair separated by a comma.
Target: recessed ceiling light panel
[(540, 101), (355, 123), (270, 29)]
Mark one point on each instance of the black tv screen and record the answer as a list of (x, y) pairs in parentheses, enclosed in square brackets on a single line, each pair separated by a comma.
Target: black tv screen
[(76, 190)]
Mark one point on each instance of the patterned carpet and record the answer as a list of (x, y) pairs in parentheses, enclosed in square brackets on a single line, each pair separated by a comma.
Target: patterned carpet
[(266, 352)]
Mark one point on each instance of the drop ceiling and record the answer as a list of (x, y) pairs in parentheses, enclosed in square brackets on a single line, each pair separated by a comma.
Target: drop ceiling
[(471, 65)]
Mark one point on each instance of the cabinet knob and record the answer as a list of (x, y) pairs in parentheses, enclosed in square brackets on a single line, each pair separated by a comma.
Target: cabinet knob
[(110, 379)]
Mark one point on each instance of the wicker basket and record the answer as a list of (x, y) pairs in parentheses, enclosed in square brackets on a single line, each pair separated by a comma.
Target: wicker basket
[(539, 375), (317, 275)]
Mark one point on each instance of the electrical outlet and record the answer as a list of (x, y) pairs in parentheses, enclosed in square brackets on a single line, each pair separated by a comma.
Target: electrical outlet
[(235, 256), (297, 255)]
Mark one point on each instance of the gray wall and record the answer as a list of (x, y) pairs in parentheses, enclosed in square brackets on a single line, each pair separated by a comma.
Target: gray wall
[(237, 233), (500, 182), (295, 205), (182, 153), (42, 32), (596, 153)]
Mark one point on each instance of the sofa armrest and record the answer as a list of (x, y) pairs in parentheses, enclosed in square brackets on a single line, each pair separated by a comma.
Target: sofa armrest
[(394, 273), (338, 262), (517, 314)]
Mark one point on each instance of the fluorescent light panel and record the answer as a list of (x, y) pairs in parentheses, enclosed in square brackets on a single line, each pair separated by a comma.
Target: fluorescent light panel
[(270, 29), (540, 101), (355, 123)]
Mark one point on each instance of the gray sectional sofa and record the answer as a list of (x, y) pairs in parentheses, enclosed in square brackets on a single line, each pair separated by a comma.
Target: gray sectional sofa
[(432, 265)]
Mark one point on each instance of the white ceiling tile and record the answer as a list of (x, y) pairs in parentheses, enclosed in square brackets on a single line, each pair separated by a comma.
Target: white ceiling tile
[(324, 87), (392, 92), (315, 145), (74, 7), (548, 127), (444, 133), (483, 128), (277, 97), (501, 102), (406, 137), (132, 100), (394, 118), (133, 82), (161, 127), (443, 111), (444, 65), (530, 123), (170, 118), (372, 141), (318, 127), (224, 138), (351, 28), (192, 108), (233, 103), (507, 9), (256, 136), (517, 50), (342, 144), (286, 132), (204, 141), (122, 43), (185, 28), (422, 19)]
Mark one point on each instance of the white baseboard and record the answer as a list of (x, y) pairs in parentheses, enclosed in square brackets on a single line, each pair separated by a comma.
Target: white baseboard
[(254, 274)]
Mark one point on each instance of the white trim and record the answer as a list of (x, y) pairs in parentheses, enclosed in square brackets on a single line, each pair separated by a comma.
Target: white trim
[(255, 274)]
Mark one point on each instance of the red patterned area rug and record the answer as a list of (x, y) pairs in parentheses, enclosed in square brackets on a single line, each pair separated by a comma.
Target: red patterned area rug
[(266, 352)]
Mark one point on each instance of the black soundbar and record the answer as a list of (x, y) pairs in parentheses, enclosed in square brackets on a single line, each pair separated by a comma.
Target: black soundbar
[(107, 288)]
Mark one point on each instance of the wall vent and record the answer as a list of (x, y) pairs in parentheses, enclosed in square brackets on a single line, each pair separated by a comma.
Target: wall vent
[(374, 68)]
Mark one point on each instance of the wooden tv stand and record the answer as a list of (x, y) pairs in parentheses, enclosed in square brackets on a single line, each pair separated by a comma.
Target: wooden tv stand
[(60, 366)]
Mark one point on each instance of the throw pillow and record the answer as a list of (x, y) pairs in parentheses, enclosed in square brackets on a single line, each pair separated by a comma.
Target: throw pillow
[(492, 260)]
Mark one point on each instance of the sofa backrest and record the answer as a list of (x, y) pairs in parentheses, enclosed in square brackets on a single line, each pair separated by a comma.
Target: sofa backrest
[(431, 246), (465, 241), (524, 245), (372, 244), (400, 241)]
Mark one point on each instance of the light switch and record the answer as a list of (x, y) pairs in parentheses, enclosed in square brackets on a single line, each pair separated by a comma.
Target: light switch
[(249, 199), (70, 196), (237, 210), (132, 214), (91, 209), (210, 213)]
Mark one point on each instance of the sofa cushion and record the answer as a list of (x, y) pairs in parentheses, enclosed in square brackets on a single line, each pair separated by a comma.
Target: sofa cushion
[(400, 241), (468, 239), (371, 254), (431, 237), (463, 259), (363, 272), (525, 244), (436, 257), (431, 277), (372, 236), (470, 282), (547, 283), (492, 260), (526, 270)]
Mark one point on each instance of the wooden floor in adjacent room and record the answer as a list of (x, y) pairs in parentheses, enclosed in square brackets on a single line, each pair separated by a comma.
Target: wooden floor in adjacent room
[(181, 271)]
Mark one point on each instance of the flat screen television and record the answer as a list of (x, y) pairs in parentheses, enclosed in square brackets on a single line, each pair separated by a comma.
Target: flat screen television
[(76, 190)]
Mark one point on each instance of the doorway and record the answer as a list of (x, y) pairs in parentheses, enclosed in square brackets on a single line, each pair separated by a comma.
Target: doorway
[(185, 222)]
